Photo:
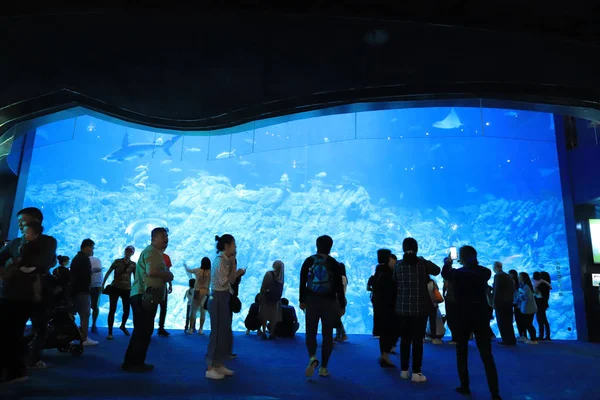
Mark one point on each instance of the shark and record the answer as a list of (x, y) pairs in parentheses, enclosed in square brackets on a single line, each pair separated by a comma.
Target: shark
[(131, 151), (450, 122)]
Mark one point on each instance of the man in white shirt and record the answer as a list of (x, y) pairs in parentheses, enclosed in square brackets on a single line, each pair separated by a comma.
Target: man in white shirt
[(96, 289)]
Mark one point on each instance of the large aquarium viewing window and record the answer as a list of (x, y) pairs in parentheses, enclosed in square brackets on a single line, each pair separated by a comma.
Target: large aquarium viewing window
[(445, 176)]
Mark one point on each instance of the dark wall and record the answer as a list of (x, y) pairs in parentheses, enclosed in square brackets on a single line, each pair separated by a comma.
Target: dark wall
[(8, 189), (207, 70), (584, 163)]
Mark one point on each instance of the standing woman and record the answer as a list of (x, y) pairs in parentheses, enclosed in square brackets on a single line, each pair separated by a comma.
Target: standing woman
[(120, 287), (200, 294), (518, 314), (413, 306), (270, 298), (224, 274), (544, 289), (527, 305)]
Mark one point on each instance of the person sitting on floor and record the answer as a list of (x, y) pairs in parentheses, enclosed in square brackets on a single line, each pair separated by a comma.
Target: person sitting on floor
[(288, 326), (252, 321)]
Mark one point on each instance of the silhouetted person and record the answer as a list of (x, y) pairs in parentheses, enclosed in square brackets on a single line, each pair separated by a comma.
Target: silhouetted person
[(470, 291), (504, 292), (384, 305), (288, 326)]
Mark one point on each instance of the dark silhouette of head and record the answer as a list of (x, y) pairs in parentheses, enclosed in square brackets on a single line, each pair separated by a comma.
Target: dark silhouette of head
[(410, 247), (205, 263), (192, 283), (467, 256), (324, 244), (383, 256), (285, 302)]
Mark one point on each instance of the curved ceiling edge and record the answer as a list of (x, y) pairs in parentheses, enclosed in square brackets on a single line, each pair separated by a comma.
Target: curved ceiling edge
[(548, 98)]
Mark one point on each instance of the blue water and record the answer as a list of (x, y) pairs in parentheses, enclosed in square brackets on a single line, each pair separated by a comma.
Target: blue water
[(446, 176)]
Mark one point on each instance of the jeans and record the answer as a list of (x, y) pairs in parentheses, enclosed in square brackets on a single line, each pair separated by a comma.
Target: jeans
[(163, 312), (542, 321), (143, 327), (328, 312), (528, 325), (520, 323), (114, 301), (412, 332), (504, 317), (220, 342), (95, 293), (475, 320)]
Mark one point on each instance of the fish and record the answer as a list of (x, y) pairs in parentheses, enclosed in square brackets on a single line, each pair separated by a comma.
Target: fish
[(103, 181), (249, 141), (284, 178), (321, 175), (193, 150), (130, 151), (226, 154), (165, 162), (450, 122), (175, 170), (245, 163), (513, 114), (535, 236), (140, 185), (435, 147), (142, 167), (138, 176), (326, 140), (144, 179)]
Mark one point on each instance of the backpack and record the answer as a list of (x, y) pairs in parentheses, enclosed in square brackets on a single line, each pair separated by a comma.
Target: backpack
[(319, 277), (274, 291)]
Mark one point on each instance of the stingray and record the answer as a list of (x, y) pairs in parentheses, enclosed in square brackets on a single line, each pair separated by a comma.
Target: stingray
[(450, 122)]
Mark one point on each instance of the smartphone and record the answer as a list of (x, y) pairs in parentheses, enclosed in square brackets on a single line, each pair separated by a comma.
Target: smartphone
[(453, 254)]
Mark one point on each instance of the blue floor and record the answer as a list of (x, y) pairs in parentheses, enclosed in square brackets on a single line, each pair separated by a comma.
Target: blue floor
[(275, 370)]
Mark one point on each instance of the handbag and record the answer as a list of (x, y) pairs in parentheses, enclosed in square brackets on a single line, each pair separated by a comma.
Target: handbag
[(434, 293), (152, 297), (235, 304), (108, 290)]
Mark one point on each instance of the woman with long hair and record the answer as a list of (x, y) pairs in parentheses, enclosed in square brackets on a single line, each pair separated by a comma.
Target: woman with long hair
[(120, 287), (413, 306), (224, 274), (543, 288), (271, 291), (527, 306), (200, 294), (518, 314)]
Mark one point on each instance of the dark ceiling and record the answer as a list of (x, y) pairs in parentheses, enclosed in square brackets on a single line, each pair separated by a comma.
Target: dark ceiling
[(194, 69)]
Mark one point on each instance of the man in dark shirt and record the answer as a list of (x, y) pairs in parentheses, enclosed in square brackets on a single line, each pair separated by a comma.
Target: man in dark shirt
[(504, 290), (17, 303), (81, 279), (288, 326), (472, 308), (322, 297)]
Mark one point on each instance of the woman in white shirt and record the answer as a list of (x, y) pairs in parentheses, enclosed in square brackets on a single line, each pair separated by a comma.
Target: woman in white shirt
[(224, 274)]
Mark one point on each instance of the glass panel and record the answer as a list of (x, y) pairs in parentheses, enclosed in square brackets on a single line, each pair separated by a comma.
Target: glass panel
[(518, 124), (219, 147), (587, 133), (55, 132), (242, 143)]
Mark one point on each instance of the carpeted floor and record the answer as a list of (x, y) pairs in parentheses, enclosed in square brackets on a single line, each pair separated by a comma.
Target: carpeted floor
[(275, 370)]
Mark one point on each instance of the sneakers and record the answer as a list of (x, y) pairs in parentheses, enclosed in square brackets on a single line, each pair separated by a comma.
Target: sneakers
[(394, 350), (404, 374), (201, 332), (125, 331), (418, 378), (436, 341), (521, 339), (213, 374), (313, 363), (531, 341), (39, 365), (223, 370), (385, 362), (109, 337), (247, 331), (162, 332), (452, 342), (323, 372), (188, 332), (89, 342)]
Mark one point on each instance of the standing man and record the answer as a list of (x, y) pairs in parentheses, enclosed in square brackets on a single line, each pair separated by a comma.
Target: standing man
[(17, 303), (503, 293), (322, 297), (81, 280), (96, 290), (163, 305), (147, 292), (470, 285)]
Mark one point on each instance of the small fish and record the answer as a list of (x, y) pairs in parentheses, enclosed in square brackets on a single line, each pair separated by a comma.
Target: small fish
[(175, 170), (193, 150), (339, 186), (513, 114), (536, 236), (435, 147), (138, 176), (296, 245), (326, 140), (142, 167), (103, 181), (284, 178), (302, 186), (226, 154), (140, 185), (245, 163), (144, 179), (165, 162), (321, 175), (249, 141)]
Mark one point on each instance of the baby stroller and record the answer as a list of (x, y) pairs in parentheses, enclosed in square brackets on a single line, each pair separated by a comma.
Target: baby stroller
[(62, 331)]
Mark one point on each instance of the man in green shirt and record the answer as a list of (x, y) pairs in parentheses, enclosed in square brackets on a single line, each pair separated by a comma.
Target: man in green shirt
[(151, 276)]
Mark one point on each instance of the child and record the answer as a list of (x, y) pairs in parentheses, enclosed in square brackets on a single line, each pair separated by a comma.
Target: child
[(189, 296), (252, 321)]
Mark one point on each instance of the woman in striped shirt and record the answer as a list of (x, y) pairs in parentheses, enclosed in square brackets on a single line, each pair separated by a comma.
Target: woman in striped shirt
[(224, 274)]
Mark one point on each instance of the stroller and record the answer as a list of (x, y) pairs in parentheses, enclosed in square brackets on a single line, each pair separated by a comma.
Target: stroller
[(63, 333)]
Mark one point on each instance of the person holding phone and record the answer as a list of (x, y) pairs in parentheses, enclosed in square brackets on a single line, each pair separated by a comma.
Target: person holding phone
[(470, 285)]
